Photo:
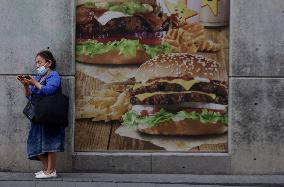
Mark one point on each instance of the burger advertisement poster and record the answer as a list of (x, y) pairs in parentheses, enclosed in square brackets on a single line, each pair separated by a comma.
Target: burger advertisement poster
[(152, 75)]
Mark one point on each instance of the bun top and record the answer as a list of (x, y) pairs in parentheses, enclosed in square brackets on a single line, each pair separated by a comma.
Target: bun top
[(178, 65)]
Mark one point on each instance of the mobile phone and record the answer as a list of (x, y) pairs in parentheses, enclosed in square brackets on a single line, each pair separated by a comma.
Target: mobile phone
[(27, 77), (20, 77)]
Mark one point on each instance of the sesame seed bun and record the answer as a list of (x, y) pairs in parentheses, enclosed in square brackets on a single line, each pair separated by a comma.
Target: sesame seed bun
[(178, 65)]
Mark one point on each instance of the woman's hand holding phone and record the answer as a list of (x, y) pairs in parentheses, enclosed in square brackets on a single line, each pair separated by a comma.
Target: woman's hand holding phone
[(22, 80), (26, 80), (27, 77)]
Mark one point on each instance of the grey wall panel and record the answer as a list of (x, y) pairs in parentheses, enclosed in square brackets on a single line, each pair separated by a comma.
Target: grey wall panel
[(104, 163), (14, 128), (152, 163), (257, 38), (64, 163), (193, 164), (32, 25), (256, 117)]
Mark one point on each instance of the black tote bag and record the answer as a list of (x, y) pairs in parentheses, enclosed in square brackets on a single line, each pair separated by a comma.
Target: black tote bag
[(51, 111), (29, 110)]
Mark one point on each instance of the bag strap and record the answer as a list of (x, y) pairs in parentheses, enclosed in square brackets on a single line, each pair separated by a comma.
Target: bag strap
[(60, 89), (43, 82)]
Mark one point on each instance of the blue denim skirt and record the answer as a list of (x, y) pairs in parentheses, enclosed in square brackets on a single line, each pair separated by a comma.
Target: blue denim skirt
[(42, 140)]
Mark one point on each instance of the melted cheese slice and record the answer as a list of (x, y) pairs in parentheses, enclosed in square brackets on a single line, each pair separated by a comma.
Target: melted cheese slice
[(187, 84), (144, 96), (109, 15)]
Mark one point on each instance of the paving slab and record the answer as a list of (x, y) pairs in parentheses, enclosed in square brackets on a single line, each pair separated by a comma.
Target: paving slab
[(137, 180)]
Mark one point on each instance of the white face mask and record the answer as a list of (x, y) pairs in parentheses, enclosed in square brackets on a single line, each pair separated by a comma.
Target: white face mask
[(42, 70)]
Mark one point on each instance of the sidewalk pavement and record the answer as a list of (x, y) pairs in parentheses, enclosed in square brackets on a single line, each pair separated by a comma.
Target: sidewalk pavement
[(10, 179)]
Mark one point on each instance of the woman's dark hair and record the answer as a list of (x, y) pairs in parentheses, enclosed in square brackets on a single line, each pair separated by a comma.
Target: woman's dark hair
[(48, 56)]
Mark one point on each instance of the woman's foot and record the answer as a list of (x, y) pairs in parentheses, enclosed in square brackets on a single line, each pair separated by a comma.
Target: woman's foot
[(46, 174), (39, 172)]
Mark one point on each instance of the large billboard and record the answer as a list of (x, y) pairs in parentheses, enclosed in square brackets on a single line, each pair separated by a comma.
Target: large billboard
[(152, 75)]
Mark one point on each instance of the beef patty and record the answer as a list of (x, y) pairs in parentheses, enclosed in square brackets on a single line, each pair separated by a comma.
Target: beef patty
[(178, 98), (215, 87)]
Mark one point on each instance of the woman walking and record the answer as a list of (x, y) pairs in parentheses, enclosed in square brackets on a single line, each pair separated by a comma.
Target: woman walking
[(43, 141)]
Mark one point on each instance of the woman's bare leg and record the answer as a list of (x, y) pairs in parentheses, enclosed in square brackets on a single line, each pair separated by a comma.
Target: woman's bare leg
[(43, 159), (51, 158)]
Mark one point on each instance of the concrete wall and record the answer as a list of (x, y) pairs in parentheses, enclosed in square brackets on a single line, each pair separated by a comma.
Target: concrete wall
[(257, 86), (27, 27), (256, 91)]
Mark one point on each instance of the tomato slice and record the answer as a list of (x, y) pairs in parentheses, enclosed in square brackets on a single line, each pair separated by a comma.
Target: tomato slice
[(199, 110), (146, 41), (156, 109), (144, 113), (105, 40), (148, 38), (152, 41)]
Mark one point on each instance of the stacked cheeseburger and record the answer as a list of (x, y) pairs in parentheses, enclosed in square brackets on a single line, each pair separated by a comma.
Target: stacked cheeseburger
[(121, 32), (178, 94)]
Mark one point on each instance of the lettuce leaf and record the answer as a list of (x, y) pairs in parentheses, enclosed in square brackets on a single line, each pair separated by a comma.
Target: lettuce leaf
[(132, 119), (129, 8), (153, 51), (89, 5), (128, 47), (124, 47), (90, 48), (205, 116), (159, 117)]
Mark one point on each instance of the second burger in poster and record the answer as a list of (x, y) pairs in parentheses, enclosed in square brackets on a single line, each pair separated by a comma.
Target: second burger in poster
[(124, 32), (178, 94)]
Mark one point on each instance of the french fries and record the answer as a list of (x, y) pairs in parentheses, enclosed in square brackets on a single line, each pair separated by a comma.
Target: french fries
[(107, 104), (190, 38)]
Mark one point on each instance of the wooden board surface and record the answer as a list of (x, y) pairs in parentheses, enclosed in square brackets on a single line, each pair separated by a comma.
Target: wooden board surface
[(100, 136)]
